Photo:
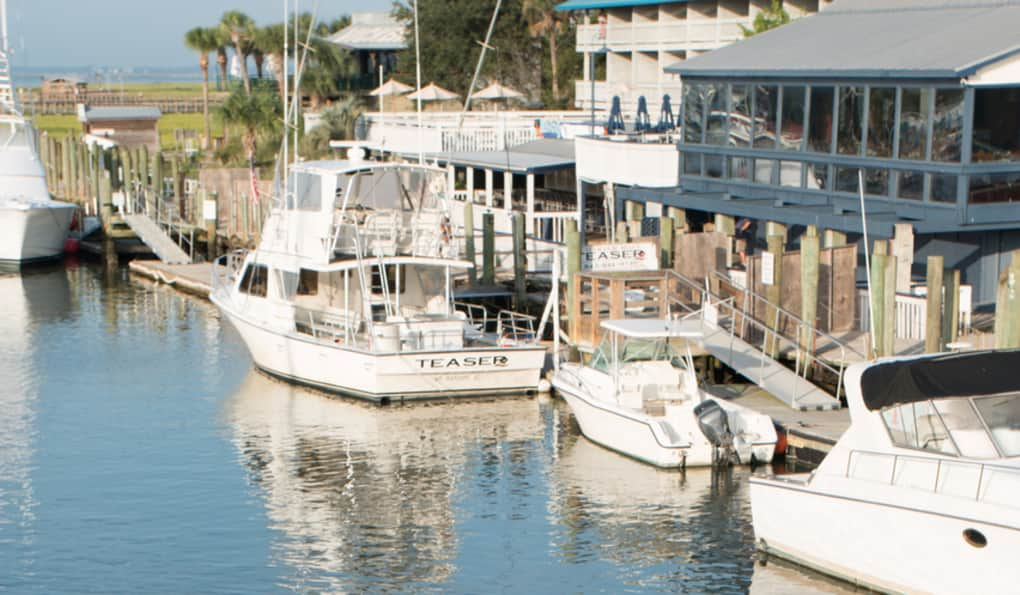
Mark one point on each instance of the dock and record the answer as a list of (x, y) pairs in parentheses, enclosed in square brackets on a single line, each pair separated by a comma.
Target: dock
[(195, 279)]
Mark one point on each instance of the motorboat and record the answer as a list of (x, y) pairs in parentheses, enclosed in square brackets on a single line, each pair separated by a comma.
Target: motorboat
[(33, 226), (350, 291), (920, 493), (639, 395)]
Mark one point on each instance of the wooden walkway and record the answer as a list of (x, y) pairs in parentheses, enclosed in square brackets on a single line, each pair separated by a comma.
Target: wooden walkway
[(191, 278)]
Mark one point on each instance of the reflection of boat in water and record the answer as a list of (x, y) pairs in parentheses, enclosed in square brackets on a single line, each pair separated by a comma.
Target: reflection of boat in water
[(933, 451), (356, 491), (640, 397)]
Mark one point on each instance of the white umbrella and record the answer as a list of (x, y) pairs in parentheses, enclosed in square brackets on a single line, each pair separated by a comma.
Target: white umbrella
[(433, 92), (390, 88), (497, 91)]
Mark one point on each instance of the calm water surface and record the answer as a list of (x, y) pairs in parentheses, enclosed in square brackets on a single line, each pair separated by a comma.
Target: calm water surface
[(139, 452)]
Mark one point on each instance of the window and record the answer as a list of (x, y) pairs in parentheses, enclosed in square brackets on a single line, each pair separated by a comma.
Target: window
[(911, 185), (1001, 414), (988, 188), (881, 121), (791, 124), (996, 124), (847, 179), (943, 188), (766, 103), (741, 168), (391, 272), (740, 116), (694, 105), (914, 113), (850, 125), (876, 182), (764, 170), (307, 192), (308, 282), (947, 132), (820, 124), (789, 173), (715, 133), (692, 163), (918, 425), (965, 428), (254, 280)]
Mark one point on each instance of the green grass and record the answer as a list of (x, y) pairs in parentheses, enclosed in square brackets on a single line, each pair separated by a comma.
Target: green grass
[(59, 126)]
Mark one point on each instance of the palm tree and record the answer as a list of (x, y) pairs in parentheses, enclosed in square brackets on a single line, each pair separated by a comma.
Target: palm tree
[(203, 40), (545, 21), (221, 54), (258, 113), (240, 29), (269, 41), (337, 122)]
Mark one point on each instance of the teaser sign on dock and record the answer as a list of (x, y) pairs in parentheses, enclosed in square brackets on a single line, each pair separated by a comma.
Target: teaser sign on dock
[(636, 256)]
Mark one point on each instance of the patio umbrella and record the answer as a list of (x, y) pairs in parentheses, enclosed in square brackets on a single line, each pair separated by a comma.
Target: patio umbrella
[(497, 91), (665, 115), (641, 121), (390, 88), (433, 92)]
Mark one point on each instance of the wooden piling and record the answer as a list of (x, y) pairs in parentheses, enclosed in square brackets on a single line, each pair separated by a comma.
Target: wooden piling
[(469, 241), (666, 229), (773, 292), (520, 261), (635, 211), (903, 250), (622, 232), (1007, 305), (950, 306), (211, 224), (878, 263), (573, 266), (488, 249), (933, 321), (809, 267), (65, 167)]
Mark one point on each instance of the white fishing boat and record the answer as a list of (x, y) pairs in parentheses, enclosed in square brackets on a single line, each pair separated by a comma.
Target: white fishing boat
[(639, 396), (920, 493), (33, 226), (350, 291)]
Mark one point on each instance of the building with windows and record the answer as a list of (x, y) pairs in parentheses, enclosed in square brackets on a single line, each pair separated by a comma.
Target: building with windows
[(919, 100), (629, 43), (374, 38)]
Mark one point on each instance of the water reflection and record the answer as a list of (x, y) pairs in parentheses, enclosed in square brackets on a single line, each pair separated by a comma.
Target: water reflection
[(362, 496)]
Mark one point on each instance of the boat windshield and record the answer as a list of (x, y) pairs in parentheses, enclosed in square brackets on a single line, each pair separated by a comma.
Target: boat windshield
[(977, 427), (634, 350), (392, 188)]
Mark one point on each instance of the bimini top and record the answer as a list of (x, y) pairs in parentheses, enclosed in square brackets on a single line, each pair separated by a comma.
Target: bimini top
[(968, 374), (654, 328)]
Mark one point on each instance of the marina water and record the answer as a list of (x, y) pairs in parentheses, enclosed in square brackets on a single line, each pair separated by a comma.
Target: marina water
[(140, 452)]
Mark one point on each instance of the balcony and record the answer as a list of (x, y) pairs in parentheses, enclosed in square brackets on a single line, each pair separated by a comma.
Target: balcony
[(670, 35), (628, 93), (652, 164)]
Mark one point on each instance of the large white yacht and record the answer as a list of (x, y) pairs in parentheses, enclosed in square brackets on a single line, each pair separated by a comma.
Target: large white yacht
[(350, 291), (33, 226), (638, 396), (920, 493)]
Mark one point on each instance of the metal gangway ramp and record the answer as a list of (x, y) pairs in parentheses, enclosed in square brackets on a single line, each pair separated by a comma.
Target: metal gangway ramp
[(153, 236), (753, 345)]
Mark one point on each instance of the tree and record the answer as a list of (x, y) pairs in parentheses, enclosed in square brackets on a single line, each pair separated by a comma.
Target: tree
[(771, 18), (546, 22), (203, 40), (240, 29), (269, 41), (337, 122), (221, 54), (258, 113)]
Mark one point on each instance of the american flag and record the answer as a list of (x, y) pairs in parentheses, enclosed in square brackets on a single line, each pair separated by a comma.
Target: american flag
[(254, 180)]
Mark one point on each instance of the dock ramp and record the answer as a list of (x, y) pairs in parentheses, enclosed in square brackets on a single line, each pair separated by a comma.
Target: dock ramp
[(153, 236)]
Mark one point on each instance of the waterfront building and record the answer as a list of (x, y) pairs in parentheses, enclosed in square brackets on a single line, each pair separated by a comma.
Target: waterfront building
[(128, 126), (631, 43), (922, 97), (374, 38)]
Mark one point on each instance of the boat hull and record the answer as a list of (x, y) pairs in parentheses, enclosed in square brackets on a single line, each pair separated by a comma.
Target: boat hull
[(391, 376), (34, 233), (882, 544)]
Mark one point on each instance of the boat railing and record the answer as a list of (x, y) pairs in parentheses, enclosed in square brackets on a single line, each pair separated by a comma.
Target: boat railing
[(515, 328), (738, 315), (476, 316), (226, 269), (983, 482), (384, 233)]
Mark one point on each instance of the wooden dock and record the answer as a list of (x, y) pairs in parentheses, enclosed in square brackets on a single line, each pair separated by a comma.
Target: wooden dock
[(195, 279)]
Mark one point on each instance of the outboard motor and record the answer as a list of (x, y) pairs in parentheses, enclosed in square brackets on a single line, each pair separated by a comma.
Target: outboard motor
[(715, 425)]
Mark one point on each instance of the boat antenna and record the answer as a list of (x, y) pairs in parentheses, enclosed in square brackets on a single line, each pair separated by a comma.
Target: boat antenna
[(867, 260), (478, 66), (417, 75), (285, 149)]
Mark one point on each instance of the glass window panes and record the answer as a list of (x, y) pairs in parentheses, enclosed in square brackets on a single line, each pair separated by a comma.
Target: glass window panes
[(1001, 414), (692, 163), (911, 185), (791, 124), (714, 165), (847, 179), (764, 170), (914, 113), (766, 98), (715, 133), (850, 125), (790, 173), (817, 175), (740, 116), (876, 182), (693, 112), (255, 280), (820, 123), (947, 132), (741, 168), (996, 124), (307, 192), (965, 428), (988, 188), (943, 188), (881, 121), (918, 425)]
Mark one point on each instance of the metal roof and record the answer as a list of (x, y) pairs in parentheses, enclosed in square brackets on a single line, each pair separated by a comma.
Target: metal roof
[(537, 156), (141, 112), (898, 39), (587, 4), (371, 31)]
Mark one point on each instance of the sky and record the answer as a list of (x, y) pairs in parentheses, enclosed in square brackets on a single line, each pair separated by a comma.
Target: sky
[(135, 33)]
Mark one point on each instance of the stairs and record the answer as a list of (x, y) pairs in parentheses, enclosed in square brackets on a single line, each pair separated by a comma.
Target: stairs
[(156, 239)]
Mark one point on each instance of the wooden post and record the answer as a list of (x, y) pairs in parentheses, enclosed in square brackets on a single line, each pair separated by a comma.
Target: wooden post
[(889, 303), (520, 261), (211, 224), (143, 163), (773, 292), (933, 321), (725, 224), (666, 229), (72, 191), (469, 241), (878, 263), (950, 306), (622, 232), (488, 249), (65, 167), (903, 249), (106, 204), (157, 176), (635, 211), (573, 266), (679, 217), (775, 229), (1007, 305), (809, 267)]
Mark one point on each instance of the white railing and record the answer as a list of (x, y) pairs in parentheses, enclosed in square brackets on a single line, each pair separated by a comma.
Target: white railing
[(551, 226), (666, 35), (966, 479), (651, 164), (912, 313)]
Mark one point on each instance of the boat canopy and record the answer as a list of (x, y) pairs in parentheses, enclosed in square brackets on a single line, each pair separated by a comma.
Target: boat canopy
[(653, 328), (967, 374)]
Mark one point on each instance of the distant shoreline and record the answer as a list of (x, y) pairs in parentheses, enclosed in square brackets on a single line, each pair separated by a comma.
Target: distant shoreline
[(109, 76)]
